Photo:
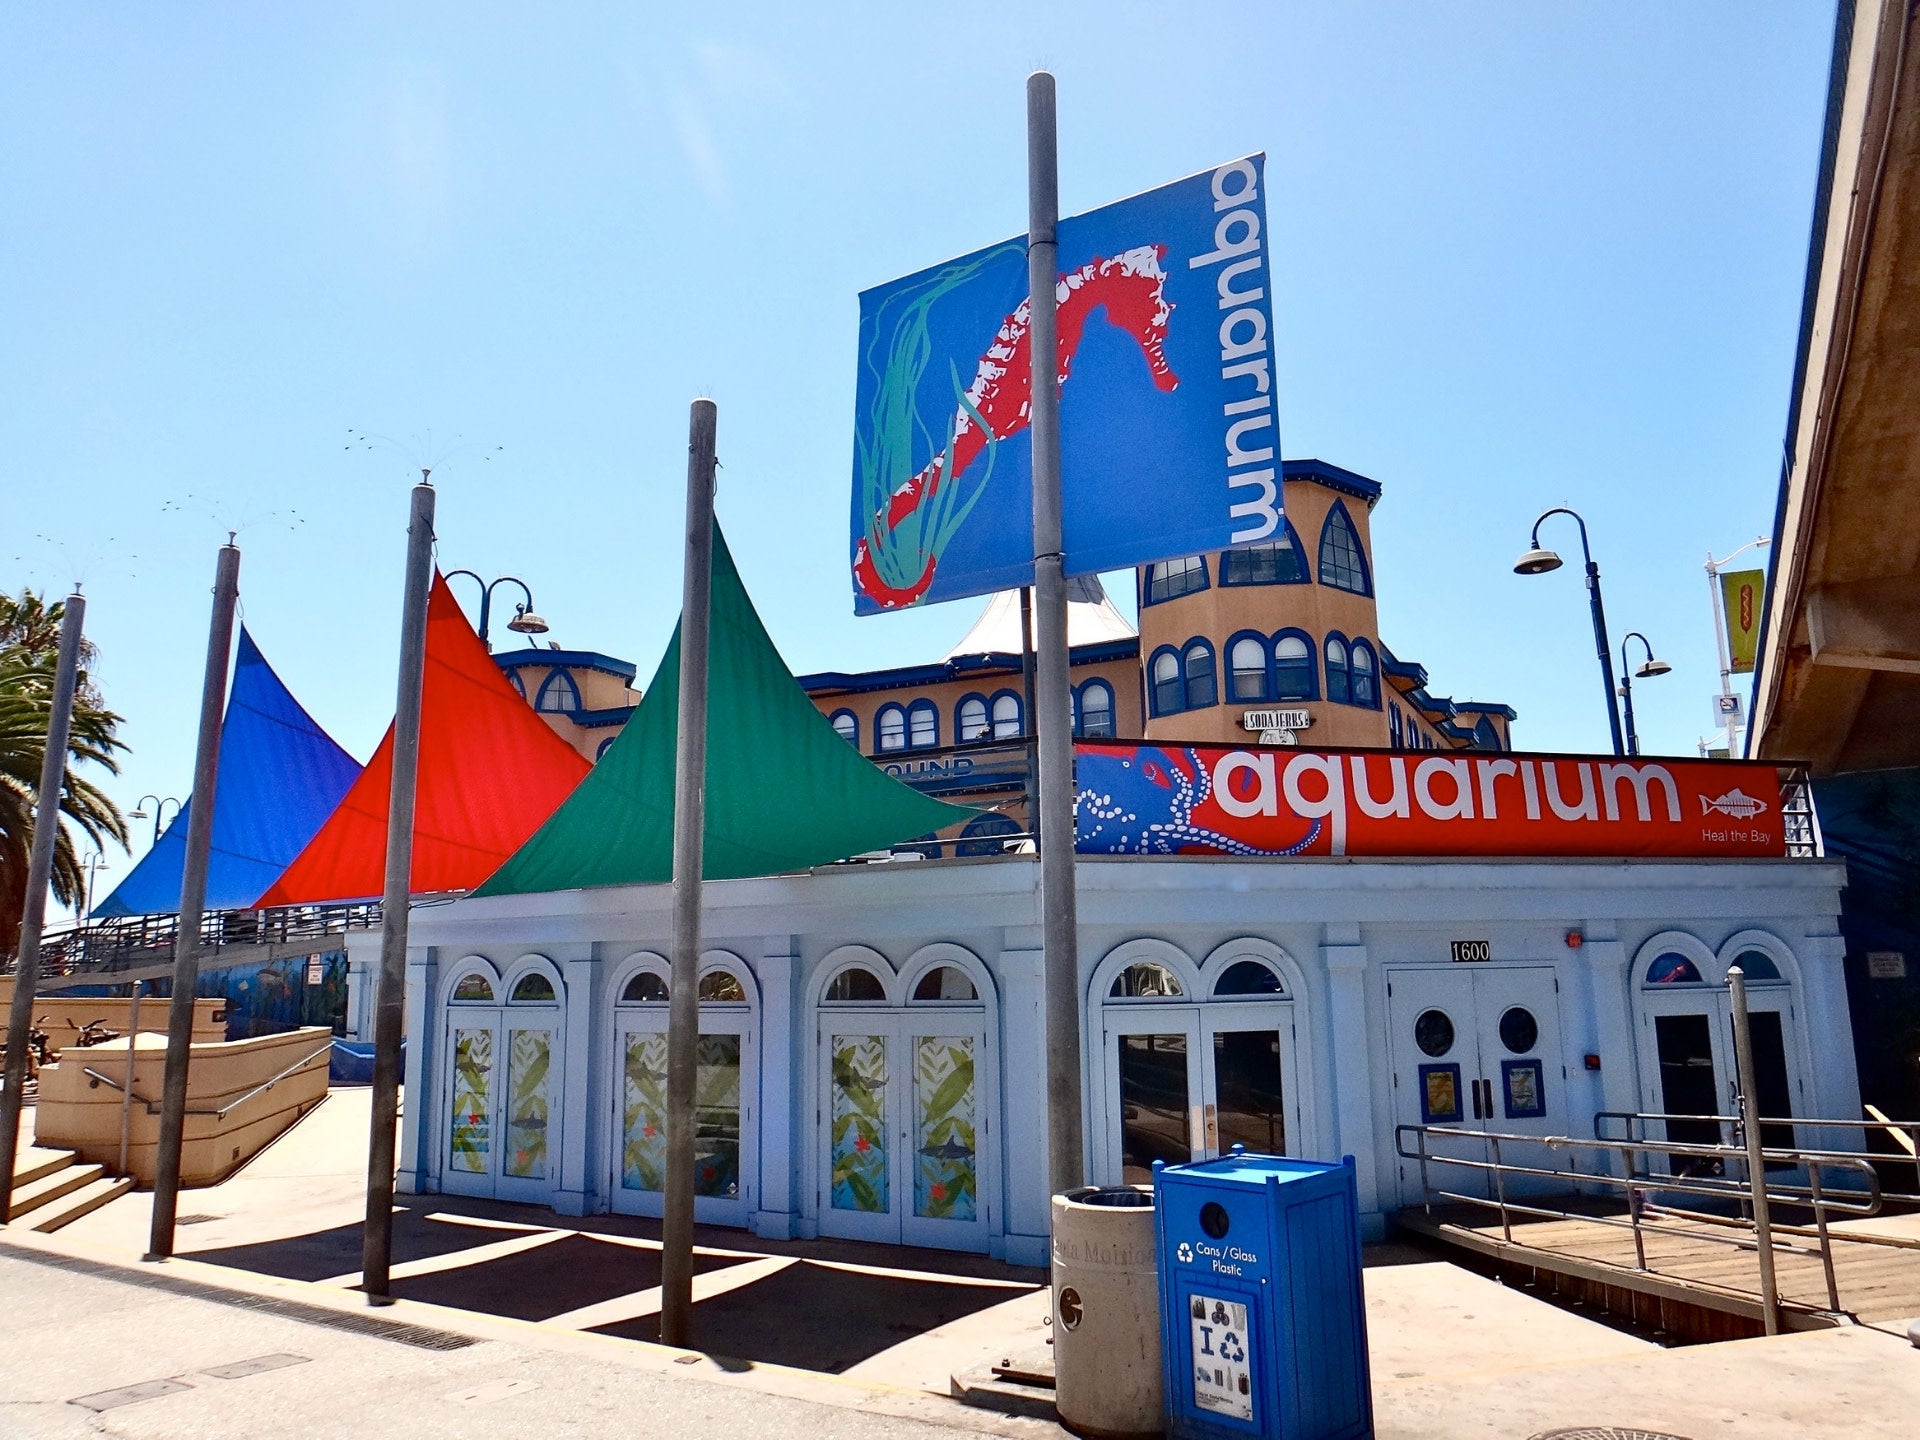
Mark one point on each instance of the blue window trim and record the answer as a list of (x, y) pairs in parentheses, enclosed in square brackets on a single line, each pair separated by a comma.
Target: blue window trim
[(879, 724), (1346, 668), (982, 834), (1019, 708), (1395, 728), (513, 679), (853, 739), (959, 726), (565, 680), (1180, 682), (1313, 664), (923, 707), (1079, 705), (1199, 642), (1266, 667), (1366, 569), (1146, 581), (604, 746), (1292, 534), (1354, 647)]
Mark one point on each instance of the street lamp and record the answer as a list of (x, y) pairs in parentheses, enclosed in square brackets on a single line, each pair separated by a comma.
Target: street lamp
[(159, 812), (524, 621), (1645, 672), (1538, 562), (93, 865), (1729, 707)]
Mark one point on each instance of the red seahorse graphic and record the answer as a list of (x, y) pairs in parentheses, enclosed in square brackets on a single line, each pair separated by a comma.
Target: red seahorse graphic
[(1131, 286)]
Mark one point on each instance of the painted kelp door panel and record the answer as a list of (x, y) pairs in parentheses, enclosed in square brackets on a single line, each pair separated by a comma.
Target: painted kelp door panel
[(860, 1102), (725, 1140), (475, 1075), (529, 1106), (1435, 1048), (947, 1133)]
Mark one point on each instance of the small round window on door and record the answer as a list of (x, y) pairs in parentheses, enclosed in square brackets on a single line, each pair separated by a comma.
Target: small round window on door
[(1433, 1033), (1519, 1031)]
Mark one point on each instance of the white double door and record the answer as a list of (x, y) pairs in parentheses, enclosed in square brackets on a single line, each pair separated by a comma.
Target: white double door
[(904, 1140), (1188, 1082), (725, 1138), (1477, 1047), (502, 1089)]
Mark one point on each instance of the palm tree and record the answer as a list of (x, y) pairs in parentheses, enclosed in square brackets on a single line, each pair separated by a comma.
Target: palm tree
[(29, 641)]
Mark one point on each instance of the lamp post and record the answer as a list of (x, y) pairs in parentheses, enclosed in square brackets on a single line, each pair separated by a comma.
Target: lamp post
[(1538, 562), (524, 621), (1729, 706), (1647, 671), (160, 803), (94, 864)]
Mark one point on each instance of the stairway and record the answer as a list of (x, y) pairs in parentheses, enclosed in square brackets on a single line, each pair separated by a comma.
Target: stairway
[(51, 1190)]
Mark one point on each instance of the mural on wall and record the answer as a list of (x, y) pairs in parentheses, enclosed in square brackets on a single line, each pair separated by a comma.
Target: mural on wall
[(946, 1177), (275, 996), (529, 1057), (716, 1117), (472, 1099), (643, 1156), (860, 1123)]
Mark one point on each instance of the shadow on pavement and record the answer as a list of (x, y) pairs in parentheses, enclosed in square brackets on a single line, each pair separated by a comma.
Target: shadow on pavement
[(327, 1253), (550, 1279)]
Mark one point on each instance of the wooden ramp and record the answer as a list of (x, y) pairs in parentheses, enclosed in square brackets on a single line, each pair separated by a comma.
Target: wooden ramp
[(1696, 1287)]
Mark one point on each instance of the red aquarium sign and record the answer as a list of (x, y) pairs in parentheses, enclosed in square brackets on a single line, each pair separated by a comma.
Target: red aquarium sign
[(1136, 799)]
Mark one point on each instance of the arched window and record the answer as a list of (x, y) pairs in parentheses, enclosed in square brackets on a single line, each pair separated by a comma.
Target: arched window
[(1169, 579), (1248, 977), (533, 989), (558, 694), (1280, 561), (945, 982), (1196, 661), (980, 836), (473, 990), (1343, 565), (1672, 968), (1144, 980), (646, 988), (720, 987), (1093, 711), (846, 724), (923, 725), (604, 746), (970, 720), (890, 728), (1293, 667), (513, 679), (1169, 696), (1395, 734), (1339, 676), (1758, 967), (1247, 667), (856, 985), (1007, 724), (1366, 676)]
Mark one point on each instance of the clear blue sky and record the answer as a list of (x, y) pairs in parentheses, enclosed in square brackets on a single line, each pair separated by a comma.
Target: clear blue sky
[(1525, 255)]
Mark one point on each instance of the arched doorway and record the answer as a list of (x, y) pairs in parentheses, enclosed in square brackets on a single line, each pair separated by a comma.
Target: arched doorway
[(726, 1140), (1194, 1059), (500, 1086), (904, 1144)]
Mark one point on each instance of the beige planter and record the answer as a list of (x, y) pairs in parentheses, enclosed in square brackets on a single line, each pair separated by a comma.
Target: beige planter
[(241, 1094), (62, 1016), (1106, 1313)]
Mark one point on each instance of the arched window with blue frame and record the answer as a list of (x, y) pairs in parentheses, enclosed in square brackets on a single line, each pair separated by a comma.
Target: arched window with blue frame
[(970, 721), (1170, 579), (890, 728), (923, 725), (1197, 669), (1009, 720), (604, 746), (558, 694), (1093, 711), (1339, 671), (846, 725), (1281, 561), (1343, 564), (1295, 675), (513, 679), (1247, 667), (1168, 694), (1365, 668), (1395, 733), (983, 835)]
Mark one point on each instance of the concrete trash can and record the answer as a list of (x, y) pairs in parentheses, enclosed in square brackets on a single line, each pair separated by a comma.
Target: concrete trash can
[(1106, 1313)]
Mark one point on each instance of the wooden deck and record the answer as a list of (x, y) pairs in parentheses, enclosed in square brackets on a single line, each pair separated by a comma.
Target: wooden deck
[(1878, 1278)]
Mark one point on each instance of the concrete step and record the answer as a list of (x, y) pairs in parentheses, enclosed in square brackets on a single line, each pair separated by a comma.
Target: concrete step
[(36, 1162), (64, 1181), (84, 1201)]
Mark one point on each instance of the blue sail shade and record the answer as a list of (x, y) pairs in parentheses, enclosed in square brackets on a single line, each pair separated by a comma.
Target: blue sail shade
[(281, 776)]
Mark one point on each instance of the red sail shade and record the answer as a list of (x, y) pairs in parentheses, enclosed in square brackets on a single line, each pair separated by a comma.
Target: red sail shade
[(490, 773)]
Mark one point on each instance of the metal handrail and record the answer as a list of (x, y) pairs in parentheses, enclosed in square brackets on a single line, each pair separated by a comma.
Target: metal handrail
[(1904, 1133), (1817, 1194), (220, 1112), (103, 946)]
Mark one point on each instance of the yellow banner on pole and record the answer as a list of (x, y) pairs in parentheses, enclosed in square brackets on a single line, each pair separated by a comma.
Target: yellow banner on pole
[(1740, 597)]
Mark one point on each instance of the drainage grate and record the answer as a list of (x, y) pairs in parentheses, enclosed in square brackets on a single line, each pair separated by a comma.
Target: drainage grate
[(1605, 1432), (418, 1336)]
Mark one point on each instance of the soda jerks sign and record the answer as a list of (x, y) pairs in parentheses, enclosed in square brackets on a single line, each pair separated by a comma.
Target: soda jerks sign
[(1213, 800)]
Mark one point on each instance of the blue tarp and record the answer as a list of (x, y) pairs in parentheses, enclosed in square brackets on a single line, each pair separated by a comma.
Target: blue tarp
[(281, 776)]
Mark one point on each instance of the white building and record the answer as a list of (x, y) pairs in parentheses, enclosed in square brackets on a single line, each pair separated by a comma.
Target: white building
[(872, 1060)]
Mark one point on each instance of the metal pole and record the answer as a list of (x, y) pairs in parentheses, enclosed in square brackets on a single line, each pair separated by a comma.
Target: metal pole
[(689, 835), (126, 1095), (193, 902), (1756, 1161), (1606, 651), (1626, 696), (1720, 641), (390, 993), (46, 830), (1053, 696), (1026, 714)]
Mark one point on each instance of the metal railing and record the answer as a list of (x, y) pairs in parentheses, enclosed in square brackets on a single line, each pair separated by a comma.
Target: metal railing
[(219, 1112), (1638, 1127), (1826, 1191), (102, 947)]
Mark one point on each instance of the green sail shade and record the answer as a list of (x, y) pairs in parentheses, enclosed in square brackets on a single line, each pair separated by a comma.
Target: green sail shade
[(783, 790)]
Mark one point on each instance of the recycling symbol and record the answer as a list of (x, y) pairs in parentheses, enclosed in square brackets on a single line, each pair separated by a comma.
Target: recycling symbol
[(1185, 1253), (1231, 1350)]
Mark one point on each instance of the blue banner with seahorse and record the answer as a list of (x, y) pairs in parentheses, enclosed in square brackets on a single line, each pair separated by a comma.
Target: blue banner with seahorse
[(1169, 435)]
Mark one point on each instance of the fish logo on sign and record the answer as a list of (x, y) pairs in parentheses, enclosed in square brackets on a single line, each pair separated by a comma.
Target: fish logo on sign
[(1735, 803)]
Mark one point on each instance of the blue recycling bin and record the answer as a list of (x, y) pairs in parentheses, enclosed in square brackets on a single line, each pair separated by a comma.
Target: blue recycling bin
[(1263, 1324)]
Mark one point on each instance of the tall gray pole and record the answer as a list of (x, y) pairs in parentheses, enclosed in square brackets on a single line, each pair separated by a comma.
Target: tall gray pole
[(689, 835), (46, 830), (1756, 1159), (1053, 696), (193, 902), (390, 994)]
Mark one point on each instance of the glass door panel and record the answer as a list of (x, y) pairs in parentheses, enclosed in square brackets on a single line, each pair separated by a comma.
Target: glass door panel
[(946, 1177), (643, 1130), (716, 1118), (859, 1199), (528, 1109), (1689, 1085), (1156, 1103), (471, 1098), (1248, 1103)]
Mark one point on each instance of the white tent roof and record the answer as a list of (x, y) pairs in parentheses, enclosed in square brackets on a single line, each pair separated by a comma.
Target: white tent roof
[(1091, 619)]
